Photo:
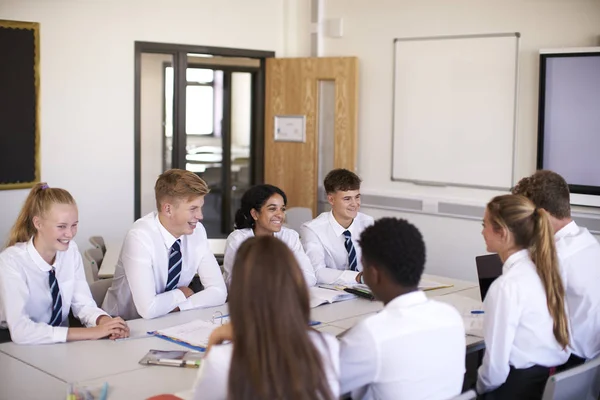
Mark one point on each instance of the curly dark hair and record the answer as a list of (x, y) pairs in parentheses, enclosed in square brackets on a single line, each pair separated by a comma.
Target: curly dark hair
[(547, 190), (396, 245), (341, 179)]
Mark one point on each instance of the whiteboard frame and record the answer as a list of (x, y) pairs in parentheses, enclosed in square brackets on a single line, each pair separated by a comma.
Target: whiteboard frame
[(517, 35)]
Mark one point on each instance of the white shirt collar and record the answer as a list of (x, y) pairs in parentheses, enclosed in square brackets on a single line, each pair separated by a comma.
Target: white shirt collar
[(37, 258), (408, 300), (570, 229), (166, 235), (513, 259), (337, 228)]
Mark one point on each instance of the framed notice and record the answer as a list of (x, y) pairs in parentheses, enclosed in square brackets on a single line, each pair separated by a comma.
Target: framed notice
[(290, 128)]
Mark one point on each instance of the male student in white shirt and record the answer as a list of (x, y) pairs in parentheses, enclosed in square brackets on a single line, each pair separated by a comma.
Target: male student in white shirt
[(579, 261), (331, 239), (415, 347), (163, 251)]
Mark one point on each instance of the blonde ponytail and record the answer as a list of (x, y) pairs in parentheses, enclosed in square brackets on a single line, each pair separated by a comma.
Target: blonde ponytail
[(38, 202), (543, 254)]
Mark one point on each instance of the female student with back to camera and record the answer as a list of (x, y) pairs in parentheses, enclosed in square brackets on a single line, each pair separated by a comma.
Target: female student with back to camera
[(274, 353), (42, 276), (525, 326), (262, 213)]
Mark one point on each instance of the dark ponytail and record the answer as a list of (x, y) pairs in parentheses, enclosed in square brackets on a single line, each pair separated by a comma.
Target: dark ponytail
[(255, 198)]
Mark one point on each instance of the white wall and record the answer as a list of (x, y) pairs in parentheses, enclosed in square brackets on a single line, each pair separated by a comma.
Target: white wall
[(151, 149), (368, 31), (87, 74)]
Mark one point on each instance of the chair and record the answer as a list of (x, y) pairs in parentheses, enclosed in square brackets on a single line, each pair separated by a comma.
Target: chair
[(95, 257), (296, 216), (98, 242), (471, 394), (99, 289), (91, 270), (581, 383)]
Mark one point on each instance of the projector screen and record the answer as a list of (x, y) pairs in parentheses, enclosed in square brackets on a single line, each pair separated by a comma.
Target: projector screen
[(569, 117)]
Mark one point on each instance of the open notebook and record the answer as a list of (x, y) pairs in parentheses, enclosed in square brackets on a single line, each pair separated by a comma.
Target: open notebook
[(320, 295), (193, 335)]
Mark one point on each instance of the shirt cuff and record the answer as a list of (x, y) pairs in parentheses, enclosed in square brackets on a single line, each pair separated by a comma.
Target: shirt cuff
[(179, 297), (59, 334), (186, 305), (94, 318)]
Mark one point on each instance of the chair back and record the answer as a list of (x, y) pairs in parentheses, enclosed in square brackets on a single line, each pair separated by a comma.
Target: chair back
[(99, 289), (95, 255), (581, 383), (91, 270), (98, 242), (470, 395), (296, 216)]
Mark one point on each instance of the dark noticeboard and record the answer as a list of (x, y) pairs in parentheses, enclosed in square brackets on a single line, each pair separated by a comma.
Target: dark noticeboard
[(19, 104)]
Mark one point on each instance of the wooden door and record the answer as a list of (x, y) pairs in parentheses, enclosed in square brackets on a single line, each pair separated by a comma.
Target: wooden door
[(292, 89)]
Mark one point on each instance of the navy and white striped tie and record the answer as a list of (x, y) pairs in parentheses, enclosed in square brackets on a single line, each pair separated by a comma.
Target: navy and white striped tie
[(352, 261), (56, 317), (175, 260)]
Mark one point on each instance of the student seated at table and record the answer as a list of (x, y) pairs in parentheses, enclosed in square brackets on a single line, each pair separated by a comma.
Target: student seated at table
[(415, 347), (273, 353), (579, 261), (525, 326), (162, 253), (42, 276), (331, 239), (262, 213)]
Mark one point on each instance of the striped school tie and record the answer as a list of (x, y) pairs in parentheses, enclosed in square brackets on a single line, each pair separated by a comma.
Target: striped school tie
[(56, 317), (174, 266), (352, 261)]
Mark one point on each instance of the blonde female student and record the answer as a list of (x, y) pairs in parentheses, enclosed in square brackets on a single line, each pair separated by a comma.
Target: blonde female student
[(262, 213), (42, 277), (274, 354), (525, 325)]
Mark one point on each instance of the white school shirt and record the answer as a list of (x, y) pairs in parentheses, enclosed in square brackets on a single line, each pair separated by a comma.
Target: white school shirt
[(286, 235), (324, 242), (213, 376), (517, 328), (138, 287), (579, 257), (379, 356), (26, 300)]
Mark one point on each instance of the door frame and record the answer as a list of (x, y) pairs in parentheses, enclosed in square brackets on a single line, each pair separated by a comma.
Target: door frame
[(179, 53)]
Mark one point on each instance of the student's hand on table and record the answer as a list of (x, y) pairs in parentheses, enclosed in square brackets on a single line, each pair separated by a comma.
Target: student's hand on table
[(114, 328), (186, 291), (221, 334)]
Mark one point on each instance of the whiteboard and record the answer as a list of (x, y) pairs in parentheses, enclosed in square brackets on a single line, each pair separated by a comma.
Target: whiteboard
[(454, 112)]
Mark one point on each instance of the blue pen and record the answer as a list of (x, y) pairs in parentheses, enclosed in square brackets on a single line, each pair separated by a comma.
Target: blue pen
[(477, 311)]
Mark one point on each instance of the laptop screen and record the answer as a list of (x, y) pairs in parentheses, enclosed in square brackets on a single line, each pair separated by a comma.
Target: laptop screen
[(489, 267)]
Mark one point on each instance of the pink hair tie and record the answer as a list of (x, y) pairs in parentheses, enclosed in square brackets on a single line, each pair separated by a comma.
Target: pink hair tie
[(44, 186)]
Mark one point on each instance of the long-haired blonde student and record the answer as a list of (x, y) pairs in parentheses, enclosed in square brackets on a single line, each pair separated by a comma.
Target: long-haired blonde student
[(525, 326), (274, 353), (262, 213), (42, 277)]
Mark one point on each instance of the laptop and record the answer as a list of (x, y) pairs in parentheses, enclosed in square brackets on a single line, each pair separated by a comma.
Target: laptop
[(489, 267)]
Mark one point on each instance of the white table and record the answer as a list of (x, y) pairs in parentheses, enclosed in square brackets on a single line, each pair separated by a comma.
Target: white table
[(113, 250), (117, 362), (24, 382)]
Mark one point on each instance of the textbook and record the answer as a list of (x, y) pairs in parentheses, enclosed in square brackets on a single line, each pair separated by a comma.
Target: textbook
[(324, 294), (426, 285), (173, 358)]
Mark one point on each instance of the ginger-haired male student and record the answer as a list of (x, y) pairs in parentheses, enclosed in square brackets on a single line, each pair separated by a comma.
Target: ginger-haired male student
[(579, 261), (331, 239), (162, 253)]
